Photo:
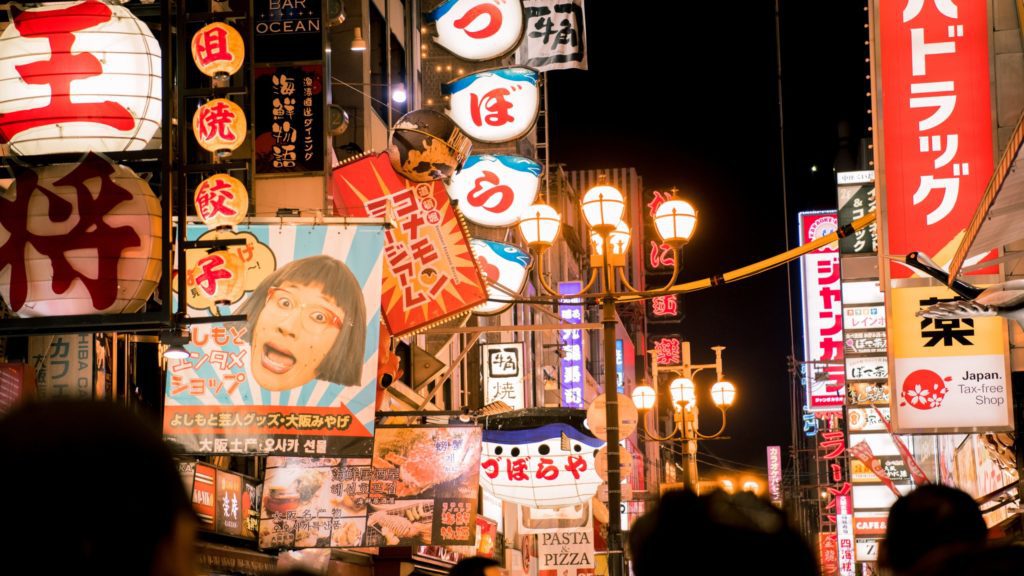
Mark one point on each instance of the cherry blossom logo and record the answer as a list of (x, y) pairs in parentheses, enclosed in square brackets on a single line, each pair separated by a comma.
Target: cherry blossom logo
[(924, 389)]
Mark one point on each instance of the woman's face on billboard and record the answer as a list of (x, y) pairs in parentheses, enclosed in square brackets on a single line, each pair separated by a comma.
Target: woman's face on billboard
[(295, 331)]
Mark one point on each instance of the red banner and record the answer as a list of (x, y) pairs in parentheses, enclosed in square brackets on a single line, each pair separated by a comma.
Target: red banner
[(937, 122), (430, 274)]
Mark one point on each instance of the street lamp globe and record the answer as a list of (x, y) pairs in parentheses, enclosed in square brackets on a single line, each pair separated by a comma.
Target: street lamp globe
[(675, 221), (723, 394), (644, 397), (539, 225), (618, 239), (682, 390), (603, 206)]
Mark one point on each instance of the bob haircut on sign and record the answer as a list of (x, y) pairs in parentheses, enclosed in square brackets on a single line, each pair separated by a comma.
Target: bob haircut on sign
[(344, 363)]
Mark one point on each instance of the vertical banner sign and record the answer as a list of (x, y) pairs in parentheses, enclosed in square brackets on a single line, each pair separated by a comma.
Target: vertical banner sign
[(64, 366), (571, 371), (419, 489), (430, 274), (620, 369), (775, 474), (937, 123), (288, 30), (298, 377), (828, 553), (823, 314), (289, 119), (503, 373), (844, 537), (556, 36), (857, 198), (949, 374)]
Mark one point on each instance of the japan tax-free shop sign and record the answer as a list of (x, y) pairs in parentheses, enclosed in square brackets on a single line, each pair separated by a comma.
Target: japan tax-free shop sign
[(949, 375), (297, 378)]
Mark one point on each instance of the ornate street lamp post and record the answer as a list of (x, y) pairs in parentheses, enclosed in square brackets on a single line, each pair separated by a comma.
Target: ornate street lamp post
[(684, 399), (603, 207)]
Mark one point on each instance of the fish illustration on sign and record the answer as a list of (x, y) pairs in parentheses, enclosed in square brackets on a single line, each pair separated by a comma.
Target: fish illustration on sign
[(503, 265)]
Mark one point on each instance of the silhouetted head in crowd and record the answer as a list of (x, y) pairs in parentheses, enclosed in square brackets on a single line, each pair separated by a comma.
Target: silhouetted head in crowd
[(980, 561), (933, 519), (476, 566), (90, 488), (734, 535)]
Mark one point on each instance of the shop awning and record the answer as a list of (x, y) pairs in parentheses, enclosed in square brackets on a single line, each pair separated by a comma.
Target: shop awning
[(998, 219)]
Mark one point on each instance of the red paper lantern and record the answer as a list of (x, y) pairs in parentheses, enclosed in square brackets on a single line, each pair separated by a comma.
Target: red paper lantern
[(79, 239), (219, 126), (221, 201), (218, 50), (218, 276)]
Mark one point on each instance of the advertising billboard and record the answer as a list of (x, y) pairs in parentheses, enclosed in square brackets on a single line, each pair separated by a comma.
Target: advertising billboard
[(936, 123), (949, 375), (298, 377), (419, 488), (822, 311)]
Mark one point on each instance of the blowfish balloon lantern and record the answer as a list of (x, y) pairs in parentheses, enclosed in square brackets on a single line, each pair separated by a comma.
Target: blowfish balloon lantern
[(540, 457), (427, 146), (504, 265), (78, 77)]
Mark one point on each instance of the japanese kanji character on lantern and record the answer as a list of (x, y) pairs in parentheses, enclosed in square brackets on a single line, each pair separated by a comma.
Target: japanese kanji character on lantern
[(221, 201), (78, 77), (218, 50), (219, 126), (79, 239)]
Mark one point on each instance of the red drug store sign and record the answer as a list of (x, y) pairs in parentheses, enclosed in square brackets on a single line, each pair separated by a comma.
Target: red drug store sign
[(937, 121)]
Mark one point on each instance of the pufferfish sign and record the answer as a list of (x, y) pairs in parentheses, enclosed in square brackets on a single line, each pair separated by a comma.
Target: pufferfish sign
[(540, 457)]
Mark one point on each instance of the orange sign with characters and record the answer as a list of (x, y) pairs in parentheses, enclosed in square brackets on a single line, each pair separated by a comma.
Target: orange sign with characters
[(430, 274)]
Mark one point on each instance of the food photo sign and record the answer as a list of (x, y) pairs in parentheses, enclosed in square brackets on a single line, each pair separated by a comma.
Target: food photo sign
[(298, 377), (418, 489)]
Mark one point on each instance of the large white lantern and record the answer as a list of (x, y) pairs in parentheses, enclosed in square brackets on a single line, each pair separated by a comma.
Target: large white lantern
[(80, 238), (77, 77)]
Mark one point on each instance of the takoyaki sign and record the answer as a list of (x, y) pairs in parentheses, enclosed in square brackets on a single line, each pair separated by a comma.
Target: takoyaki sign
[(540, 458)]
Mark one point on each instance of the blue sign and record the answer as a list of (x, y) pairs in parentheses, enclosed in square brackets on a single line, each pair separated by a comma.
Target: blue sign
[(571, 371), (620, 370)]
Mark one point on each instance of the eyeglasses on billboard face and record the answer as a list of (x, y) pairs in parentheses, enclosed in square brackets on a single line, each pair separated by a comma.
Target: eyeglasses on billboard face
[(315, 318)]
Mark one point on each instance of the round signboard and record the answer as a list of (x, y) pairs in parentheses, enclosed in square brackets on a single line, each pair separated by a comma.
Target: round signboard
[(598, 422)]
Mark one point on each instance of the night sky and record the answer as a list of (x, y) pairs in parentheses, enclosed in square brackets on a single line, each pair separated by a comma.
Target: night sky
[(726, 160)]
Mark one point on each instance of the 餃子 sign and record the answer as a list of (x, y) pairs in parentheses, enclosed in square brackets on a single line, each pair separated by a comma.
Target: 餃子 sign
[(430, 274), (419, 488), (298, 377)]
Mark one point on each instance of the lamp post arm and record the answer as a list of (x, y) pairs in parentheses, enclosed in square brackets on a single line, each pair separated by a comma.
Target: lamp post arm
[(755, 268), (625, 281), (716, 434), (547, 287), (654, 436)]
